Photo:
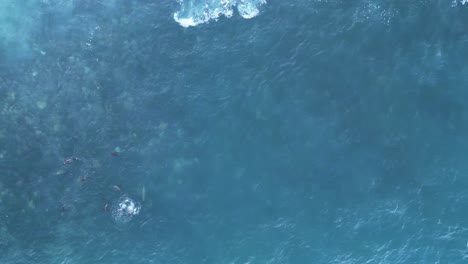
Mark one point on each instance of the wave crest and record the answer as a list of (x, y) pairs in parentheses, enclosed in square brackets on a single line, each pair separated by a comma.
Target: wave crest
[(195, 12)]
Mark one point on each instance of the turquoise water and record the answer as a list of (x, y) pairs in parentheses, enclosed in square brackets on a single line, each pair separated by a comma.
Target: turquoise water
[(321, 131)]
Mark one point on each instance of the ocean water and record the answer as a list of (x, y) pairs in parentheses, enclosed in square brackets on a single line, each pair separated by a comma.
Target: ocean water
[(249, 131)]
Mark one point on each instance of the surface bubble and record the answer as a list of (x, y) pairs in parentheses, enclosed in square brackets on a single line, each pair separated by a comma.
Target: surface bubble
[(124, 209)]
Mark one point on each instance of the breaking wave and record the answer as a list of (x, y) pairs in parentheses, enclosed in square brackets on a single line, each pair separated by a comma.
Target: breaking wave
[(195, 12)]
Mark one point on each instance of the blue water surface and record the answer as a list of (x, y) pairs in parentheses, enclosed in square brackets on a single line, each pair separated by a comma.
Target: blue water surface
[(251, 132)]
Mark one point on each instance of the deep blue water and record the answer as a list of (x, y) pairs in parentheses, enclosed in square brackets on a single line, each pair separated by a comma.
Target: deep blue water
[(251, 132)]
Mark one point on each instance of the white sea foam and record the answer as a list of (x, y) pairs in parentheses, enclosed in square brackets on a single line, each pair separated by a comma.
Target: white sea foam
[(247, 9), (455, 2), (195, 12), (185, 22)]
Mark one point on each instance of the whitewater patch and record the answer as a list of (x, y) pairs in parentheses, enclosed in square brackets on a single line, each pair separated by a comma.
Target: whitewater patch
[(195, 12), (455, 2)]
